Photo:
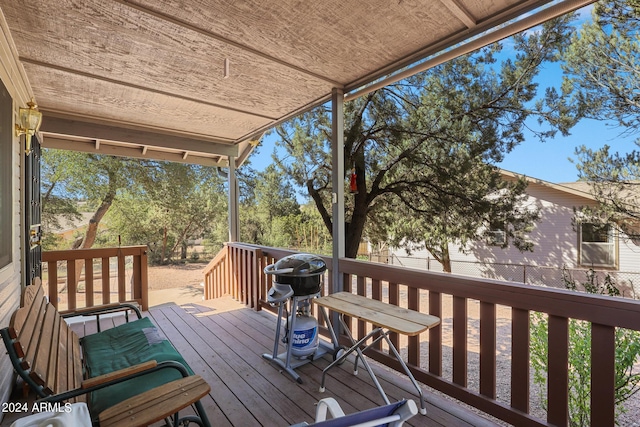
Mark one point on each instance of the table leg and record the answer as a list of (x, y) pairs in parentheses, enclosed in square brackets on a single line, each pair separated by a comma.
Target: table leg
[(423, 409), (356, 347)]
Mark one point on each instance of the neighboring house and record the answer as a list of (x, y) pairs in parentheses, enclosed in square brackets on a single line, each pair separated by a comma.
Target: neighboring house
[(70, 229), (559, 242)]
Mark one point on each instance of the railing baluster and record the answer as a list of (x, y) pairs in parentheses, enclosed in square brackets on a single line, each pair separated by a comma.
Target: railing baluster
[(361, 291), (460, 341), (520, 341), (122, 279), (435, 334), (488, 349), (106, 281), (413, 348), (88, 281), (394, 299), (558, 375), (244, 277), (376, 294), (72, 284), (603, 375)]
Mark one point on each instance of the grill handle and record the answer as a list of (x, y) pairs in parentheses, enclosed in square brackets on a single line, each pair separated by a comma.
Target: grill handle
[(269, 269)]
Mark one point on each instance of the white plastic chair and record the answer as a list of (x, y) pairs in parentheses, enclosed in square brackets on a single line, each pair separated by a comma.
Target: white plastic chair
[(392, 415)]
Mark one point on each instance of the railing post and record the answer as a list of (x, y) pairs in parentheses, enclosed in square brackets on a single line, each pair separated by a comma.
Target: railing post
[(144, 280), (337, 183)]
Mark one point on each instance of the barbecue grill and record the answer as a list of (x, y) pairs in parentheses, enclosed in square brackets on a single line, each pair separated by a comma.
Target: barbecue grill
[(297, 281)]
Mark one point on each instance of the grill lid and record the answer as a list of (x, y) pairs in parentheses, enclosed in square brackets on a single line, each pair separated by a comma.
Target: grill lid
[(298, 265)]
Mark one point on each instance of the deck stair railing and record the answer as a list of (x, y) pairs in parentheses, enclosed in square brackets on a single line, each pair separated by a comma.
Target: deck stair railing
[(462, 342), (80, 278)]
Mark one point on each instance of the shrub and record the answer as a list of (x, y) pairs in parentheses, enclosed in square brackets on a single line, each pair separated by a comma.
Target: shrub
[(627, 382)]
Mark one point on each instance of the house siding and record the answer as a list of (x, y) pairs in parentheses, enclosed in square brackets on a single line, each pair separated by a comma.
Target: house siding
[(555, 245), (11, 275)]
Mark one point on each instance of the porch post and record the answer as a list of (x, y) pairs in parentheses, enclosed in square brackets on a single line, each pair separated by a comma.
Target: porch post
[(234, 229), (337, 183)]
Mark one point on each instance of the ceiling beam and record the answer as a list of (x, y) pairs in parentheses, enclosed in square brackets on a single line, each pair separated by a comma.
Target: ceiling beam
[(460, 12), (89, 146), (73, 127)]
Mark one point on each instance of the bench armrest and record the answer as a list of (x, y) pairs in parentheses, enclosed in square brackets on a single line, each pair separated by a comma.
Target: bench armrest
[(103, 309), (111, 376)]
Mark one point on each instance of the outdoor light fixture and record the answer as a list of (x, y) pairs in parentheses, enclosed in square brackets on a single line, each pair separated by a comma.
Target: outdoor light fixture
[(30, 119)]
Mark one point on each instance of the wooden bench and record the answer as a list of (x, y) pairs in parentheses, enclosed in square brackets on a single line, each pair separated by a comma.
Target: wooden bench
[(59, 366)]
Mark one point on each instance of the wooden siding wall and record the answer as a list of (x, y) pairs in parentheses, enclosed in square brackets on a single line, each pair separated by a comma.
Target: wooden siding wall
[(11, 276)]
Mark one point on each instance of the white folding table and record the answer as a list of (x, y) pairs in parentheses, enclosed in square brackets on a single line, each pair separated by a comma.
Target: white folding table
[(385, 318)]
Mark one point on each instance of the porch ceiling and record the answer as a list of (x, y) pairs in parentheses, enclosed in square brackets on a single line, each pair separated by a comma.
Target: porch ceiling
[(145, 78)]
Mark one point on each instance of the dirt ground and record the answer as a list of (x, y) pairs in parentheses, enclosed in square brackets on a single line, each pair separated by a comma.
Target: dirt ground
[(178, 284), (175, 276)]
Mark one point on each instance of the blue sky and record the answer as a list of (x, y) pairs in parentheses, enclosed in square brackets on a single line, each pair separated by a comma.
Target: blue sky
[(550, 160)]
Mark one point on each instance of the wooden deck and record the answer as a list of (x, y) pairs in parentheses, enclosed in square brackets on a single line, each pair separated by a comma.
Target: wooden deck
[(223, 342)]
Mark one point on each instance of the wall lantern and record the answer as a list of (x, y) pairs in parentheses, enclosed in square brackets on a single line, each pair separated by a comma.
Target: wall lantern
[(30, 120)]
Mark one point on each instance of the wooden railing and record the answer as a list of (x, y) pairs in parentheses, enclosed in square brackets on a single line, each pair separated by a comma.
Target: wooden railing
[(439, 294), (237, 271), (87, 277)]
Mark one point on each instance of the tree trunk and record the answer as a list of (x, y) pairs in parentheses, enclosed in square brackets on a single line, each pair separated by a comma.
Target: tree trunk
[(164, 245), (92, 229), (446, 260), (94, 222), (183, 250)]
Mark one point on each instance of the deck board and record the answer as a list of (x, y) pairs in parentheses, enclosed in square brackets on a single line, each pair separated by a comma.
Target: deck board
[(223, 341)]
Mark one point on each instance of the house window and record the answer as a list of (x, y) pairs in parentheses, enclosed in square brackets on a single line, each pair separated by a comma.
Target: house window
[(6, 195), (597, 245), (497, 236)]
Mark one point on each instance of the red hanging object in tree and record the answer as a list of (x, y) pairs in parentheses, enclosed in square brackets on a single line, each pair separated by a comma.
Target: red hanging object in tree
[(353, 185)]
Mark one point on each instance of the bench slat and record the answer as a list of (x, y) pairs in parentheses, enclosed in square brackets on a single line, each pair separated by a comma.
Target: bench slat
[(43, 339), (33, 296), (74, 365), (24, 320), (54, 353), (29, 336), (63, 361)]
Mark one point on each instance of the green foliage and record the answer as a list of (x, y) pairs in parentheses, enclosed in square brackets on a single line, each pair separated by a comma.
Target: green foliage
[(170, 204), (614, 181), (602, 65), (627, 383), (160, 204), (270, 214), (601, 82), (69, 176), (425, 149)]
